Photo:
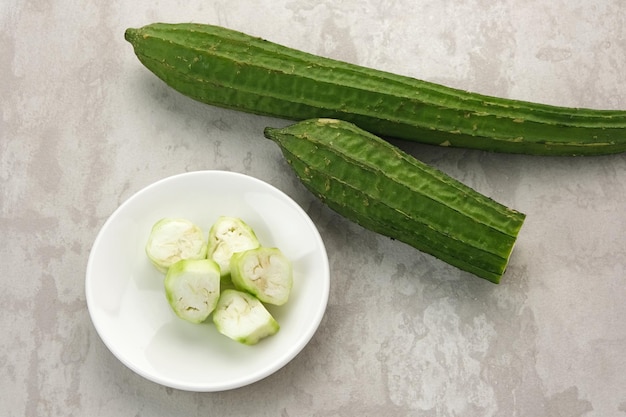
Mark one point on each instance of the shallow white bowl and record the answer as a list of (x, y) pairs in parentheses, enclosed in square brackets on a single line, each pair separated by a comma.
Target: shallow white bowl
[(126, 298)]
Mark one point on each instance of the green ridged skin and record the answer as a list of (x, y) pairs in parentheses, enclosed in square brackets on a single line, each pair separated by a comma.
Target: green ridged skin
[(230, 69), (380, 187)]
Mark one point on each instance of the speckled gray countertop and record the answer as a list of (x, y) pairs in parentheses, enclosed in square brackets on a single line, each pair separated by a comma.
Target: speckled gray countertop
[(84, 126)]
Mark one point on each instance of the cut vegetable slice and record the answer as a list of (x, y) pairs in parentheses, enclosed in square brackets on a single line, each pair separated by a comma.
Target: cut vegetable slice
[(264, 272), (171, 240), (242, 317), (192, 288), (229, 235)]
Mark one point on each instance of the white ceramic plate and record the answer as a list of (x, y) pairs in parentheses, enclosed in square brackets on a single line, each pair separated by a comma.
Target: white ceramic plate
[(126, 299)]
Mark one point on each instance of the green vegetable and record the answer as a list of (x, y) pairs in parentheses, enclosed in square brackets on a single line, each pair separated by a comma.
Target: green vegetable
[(171, 240), (243, 318), (227, 236), (226, 68), (192, 288), (375, 184), (263, 272)]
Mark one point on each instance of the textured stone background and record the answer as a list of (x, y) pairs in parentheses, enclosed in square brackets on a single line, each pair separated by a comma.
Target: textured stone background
[(84, 126)]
